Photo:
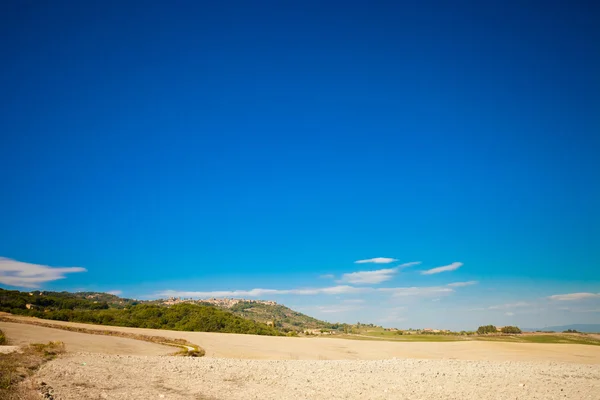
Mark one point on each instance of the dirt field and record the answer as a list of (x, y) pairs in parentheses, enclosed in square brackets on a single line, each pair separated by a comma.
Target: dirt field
[(19, 334), (221, 345), (261, 367), (85, 376)]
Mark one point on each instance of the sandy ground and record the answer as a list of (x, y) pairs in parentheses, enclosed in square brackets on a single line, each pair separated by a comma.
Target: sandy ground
[(222, 345), (19, 334), (93, 376), (261, 367)]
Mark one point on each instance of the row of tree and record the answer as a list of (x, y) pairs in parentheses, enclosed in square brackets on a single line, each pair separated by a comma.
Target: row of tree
[(486, 329)]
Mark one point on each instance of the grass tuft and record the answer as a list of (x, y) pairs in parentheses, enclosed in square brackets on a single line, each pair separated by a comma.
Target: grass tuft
[(16, 367)]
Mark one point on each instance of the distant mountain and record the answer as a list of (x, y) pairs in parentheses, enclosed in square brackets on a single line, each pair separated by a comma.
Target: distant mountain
[(586, 328)]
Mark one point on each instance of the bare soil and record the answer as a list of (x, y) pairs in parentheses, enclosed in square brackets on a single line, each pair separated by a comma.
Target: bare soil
[(21, 334), (225, 345), (87, 376), (262, 367)]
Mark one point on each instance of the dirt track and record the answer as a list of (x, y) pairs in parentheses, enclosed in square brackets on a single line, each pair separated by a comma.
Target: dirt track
[(19, 334)]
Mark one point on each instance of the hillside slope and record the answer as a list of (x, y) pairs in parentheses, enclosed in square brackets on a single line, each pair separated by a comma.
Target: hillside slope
[(282, 316)]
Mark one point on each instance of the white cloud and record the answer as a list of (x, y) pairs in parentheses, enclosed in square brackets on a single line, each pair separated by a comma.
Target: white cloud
[(334, 309), (372, 277), (393, 315), (376, 276), (409, 264), (22, 274), (327, 276), (115, 292), (445, 268), (417, 291), (331, 290), (574, 296), (509, 306), (462, 284), (353, 301), (509, 314), (376, 260), (341, 289)]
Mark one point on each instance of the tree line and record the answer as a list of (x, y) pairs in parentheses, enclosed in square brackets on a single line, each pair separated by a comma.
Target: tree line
[(486, 329), (182, 317)]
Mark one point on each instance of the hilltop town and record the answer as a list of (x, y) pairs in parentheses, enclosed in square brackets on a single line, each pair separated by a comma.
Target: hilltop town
[(218, 302)]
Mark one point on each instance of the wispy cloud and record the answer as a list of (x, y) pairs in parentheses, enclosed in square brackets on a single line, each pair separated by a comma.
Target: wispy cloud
[(393, 315), (376, 276), (335, 309), (574, 296), (445, 268), (331, 290), (369, 277), (115, 292), (376, 260), (409, 264), (341, 289), (22, 274), (327, 276), (353, 301), (509, 306), (462, 284), (509, 314), (418, 291)]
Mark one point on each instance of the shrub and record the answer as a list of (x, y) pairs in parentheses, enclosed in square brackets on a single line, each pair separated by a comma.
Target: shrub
[(511, 330), (482, 330), (2, 338)]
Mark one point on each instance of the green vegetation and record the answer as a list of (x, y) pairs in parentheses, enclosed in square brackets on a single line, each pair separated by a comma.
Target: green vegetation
[(482, 330), (282, 317), (17, 366), (182, 317), (514, 330)]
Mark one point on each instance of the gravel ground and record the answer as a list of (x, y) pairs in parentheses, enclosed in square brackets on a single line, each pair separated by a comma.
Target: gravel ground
[(97, 376)]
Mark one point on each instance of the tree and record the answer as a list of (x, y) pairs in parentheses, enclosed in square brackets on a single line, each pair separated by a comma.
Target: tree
[(511, 330), (482, 330)]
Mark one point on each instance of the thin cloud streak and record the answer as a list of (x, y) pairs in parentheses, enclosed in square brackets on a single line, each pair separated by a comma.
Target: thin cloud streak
[(332, 290), (509, 306), (376, 260), (445, 268), (369, 277), (462, 284), (574, 296), (376, 276), (22, 274)]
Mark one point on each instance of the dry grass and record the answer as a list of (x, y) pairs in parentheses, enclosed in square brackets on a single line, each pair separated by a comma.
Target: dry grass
[(17, 367), (187, 348)]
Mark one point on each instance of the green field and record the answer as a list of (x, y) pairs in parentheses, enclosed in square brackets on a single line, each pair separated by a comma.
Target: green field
[(559, 338)]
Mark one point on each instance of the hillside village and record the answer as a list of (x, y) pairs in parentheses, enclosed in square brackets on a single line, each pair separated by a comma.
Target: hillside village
[(219, 302)]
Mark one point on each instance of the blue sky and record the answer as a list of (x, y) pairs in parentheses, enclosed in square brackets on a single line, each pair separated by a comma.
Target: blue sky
[(221, 147)]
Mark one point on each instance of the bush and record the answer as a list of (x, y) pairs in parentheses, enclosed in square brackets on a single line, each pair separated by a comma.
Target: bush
[(511, 330), (2, 338), (482, 330)]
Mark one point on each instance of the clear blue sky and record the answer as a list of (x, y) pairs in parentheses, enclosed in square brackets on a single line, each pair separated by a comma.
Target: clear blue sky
[(222, 146)]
